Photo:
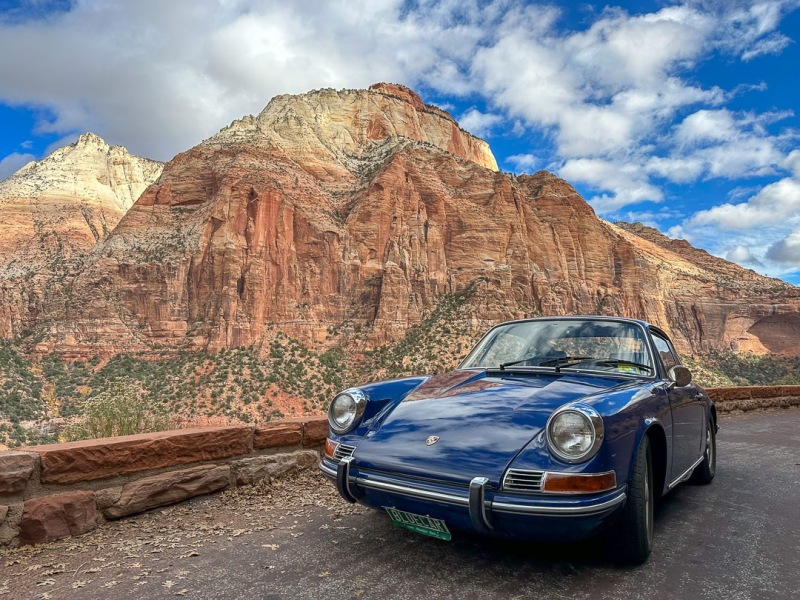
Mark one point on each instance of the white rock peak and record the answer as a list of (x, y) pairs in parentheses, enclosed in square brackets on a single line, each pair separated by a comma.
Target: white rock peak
[(89, 170), (349, 127)]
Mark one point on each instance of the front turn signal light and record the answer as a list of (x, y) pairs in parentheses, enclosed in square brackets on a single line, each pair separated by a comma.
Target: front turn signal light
[(579, 483), (330, 448)]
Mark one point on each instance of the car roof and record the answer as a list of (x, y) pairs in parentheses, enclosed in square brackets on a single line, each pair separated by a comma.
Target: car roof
[(639, 322)]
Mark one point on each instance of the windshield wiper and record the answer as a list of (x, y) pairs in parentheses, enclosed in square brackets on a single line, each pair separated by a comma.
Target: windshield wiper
[(610, 362), (513, 362)]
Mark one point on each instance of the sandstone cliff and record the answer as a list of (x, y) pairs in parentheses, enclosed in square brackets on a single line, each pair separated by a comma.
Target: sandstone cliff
[(53, 212), (340, 217)]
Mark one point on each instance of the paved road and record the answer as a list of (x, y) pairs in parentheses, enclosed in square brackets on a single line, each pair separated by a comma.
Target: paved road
[(738, 538)]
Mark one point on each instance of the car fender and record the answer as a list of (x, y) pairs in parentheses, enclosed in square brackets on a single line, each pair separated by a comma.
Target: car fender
[(382, 397)]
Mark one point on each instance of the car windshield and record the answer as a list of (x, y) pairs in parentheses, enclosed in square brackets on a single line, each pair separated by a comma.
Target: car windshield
[(564, 344)]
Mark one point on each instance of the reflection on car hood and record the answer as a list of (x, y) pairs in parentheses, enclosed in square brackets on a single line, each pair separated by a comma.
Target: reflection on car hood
[(482, 422)]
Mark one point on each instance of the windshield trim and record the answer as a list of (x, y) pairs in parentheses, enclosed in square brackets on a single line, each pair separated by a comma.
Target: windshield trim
[(643, 327)]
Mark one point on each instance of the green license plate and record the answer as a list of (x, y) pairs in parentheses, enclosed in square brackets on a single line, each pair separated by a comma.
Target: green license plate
[(424, 525)]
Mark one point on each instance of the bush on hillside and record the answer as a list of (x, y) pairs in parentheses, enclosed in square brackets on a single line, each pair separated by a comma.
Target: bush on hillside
[(121, 410)]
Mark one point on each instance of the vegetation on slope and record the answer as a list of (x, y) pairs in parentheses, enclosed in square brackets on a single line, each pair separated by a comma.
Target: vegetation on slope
[(435, 345), (21, 398), (753, 369), (242, 385)]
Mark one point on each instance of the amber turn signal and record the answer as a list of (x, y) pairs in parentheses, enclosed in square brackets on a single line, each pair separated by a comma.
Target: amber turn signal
[(330, 447), (579, 483)]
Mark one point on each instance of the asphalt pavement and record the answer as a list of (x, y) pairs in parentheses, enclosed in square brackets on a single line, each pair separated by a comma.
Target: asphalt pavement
[(736, 539)]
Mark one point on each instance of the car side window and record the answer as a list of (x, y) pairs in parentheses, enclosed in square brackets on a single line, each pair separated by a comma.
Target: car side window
[(668, 357)]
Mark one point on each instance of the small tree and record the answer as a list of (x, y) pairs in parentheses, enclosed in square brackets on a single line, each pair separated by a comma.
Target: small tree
[(119, 411)]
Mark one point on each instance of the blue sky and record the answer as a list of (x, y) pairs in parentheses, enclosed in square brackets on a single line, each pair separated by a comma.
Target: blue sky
[(681, 115)]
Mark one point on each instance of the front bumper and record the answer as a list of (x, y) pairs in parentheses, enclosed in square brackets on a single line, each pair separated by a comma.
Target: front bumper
[(477, 506)]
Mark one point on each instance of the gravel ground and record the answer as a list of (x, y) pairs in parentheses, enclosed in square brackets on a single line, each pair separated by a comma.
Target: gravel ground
[(156, 549)]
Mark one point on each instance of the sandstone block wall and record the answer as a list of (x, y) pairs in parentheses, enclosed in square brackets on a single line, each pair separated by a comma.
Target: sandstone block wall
[(61, 490), (751, 398)]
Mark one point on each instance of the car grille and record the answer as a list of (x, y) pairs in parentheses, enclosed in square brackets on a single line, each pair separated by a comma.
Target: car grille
[(343, 451), (518, 480)]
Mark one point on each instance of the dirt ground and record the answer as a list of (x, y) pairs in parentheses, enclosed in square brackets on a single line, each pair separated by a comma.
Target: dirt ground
[(156, 548)]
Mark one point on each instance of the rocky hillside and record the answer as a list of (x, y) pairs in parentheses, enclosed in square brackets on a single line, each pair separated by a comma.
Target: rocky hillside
[(342, 218), (54, 212)]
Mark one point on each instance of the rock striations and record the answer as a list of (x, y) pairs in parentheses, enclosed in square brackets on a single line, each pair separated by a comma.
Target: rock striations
[(53, 212), (355, 210)]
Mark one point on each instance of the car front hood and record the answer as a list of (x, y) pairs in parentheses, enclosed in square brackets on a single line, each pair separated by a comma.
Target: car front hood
[(481, 421)]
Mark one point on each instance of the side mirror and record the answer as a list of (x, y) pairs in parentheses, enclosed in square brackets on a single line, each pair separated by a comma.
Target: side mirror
[(680, 376)]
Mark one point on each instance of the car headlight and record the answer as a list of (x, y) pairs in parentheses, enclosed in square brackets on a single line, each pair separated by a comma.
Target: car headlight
[(346, 410), (575, 432)]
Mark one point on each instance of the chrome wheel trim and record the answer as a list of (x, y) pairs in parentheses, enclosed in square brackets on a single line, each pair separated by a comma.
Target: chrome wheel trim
[(648, 507), (711, 459)]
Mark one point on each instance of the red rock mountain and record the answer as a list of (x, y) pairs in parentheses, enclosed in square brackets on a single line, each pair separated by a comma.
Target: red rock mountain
[(53, 213), (356, 210)]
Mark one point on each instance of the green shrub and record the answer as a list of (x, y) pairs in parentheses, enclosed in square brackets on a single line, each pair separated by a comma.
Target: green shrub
[(120, 410)]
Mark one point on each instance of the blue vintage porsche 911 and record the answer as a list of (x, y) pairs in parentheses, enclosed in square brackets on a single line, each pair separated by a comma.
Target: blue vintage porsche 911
[(550, 429)]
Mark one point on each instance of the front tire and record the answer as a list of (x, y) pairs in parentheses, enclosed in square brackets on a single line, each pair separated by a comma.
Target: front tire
[(636, 520), (704, 472)]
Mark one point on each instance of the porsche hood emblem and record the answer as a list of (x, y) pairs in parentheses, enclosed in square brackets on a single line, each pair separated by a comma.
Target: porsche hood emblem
[(432, 440)]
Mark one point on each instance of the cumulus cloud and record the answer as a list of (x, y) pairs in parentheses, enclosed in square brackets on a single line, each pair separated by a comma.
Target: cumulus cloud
[(787, 250), (773, 204), (706, 126), (792, 163), (524, 163), (675, 169), (479, 123), (601, 89), (761, 232), (629, 182), (742, 255), (13, 163)]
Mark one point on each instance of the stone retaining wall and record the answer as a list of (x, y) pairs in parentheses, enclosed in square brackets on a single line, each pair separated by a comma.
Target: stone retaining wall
[(729, 399), (62, 490)]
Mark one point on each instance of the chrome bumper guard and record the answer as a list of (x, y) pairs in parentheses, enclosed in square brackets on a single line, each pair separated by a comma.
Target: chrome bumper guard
[(477, 504), (343, 479), (480, 509)]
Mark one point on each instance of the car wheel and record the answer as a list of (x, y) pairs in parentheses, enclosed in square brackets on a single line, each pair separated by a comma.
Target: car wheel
[(704, 472), (636, 521)]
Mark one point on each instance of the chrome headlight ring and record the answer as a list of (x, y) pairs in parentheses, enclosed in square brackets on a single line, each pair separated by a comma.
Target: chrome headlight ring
[(587, 432), (346, 410)]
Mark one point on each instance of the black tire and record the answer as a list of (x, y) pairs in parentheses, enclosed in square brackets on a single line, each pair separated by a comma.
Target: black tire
[(635, 529), (704, 472)]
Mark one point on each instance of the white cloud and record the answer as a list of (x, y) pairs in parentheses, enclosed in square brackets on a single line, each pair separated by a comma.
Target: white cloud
[(706, 126), (762, 232), (479, 123), (792, 163), (676, 170), (525, 163), (679, 233), (772, 44), (787, 250), (742, 255), (772, 205), (628, 181), (13, 163)]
